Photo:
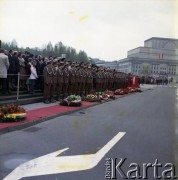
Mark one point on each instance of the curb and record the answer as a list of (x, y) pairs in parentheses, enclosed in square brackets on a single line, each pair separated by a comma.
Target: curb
[(37, 121)]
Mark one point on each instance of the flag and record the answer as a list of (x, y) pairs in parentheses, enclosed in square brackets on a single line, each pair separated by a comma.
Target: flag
[(161, 55)]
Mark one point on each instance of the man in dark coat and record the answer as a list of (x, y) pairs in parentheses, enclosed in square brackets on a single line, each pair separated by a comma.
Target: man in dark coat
[(10, 72), (17, 67), (41, 77)]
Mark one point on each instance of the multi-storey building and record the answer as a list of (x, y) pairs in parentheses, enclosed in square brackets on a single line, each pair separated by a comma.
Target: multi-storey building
[(158, 57)]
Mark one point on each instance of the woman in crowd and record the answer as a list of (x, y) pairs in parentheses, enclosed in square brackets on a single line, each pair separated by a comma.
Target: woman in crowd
[(33, 76)]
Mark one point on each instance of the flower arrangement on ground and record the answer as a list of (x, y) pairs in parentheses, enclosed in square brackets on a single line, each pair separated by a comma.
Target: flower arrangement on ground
[(110, 94), (72, 100), (92, 98), (12, 113), (126, 90), (99, 96)]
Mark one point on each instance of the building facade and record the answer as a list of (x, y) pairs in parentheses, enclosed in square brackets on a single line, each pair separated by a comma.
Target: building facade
[(158, 57)]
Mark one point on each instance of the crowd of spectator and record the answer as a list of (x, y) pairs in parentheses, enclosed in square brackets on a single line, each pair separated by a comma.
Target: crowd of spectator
[(155, 80), (28, 66)]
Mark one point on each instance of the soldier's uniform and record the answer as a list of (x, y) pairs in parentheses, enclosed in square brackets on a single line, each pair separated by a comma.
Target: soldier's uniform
[(84, 78), (107, 80), (54, 79), (60, 81), (115, 81), (102, 80), (48, 80), (80, 79), (77, 80), (93, 70), (66, 80), (89, 80), (98, 80), (111, 80), (72, 80)]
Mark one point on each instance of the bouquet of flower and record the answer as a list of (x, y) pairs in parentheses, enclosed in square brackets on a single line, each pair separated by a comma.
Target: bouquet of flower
[(12, 113), (110, 94), (119, 92), (72, 100), (92, 98), (131, 89), (102, 95)]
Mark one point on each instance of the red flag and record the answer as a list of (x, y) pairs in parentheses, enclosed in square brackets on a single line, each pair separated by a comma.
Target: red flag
[(161, 55)]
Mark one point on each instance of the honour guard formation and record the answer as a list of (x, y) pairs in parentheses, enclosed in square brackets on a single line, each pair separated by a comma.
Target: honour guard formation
[(63, 78)]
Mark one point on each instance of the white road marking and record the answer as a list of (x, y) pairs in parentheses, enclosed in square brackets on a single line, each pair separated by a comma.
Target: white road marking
[(51, 164)]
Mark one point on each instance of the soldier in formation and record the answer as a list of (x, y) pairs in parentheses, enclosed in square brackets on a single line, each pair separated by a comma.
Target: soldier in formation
[(63, 78)]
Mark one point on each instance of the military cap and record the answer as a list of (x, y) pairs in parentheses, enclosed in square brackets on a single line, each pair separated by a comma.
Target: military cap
[(55, 60), (61, 62)]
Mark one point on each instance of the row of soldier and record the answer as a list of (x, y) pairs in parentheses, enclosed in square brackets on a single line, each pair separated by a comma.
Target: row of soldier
[(62, 78)]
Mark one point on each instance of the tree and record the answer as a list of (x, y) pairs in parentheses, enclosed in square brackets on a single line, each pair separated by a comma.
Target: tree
[(48, 50), (145, 69), (74, 55), (82, 56)]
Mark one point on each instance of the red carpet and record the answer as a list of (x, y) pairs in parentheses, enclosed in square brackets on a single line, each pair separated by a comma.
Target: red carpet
[(37, 114)]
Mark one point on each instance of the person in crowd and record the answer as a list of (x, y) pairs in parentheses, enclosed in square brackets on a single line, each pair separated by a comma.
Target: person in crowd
[(72, 79), (23, 73), (89, 79), (10, 72), (33, 76), (17, 66), (48, 77), (4, 65), (38, 67), (54, 80), (60, 80), (28, 71), (166, 80), (66, 76), (27, 56), (44, 62)]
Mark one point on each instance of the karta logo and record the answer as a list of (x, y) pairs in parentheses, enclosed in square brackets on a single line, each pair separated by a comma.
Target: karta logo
[(114, 170)]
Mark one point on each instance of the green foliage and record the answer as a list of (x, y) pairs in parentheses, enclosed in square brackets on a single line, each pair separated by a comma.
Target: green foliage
[(49, 50), (145, 69)]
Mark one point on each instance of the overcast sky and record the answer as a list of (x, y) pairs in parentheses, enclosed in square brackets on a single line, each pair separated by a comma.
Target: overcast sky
[(104, 29)]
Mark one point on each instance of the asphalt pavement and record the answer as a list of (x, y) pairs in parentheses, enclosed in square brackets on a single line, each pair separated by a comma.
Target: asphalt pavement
[(147, 118)]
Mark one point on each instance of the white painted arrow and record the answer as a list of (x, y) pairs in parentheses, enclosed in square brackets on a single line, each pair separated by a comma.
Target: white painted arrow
[(51, 164)]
